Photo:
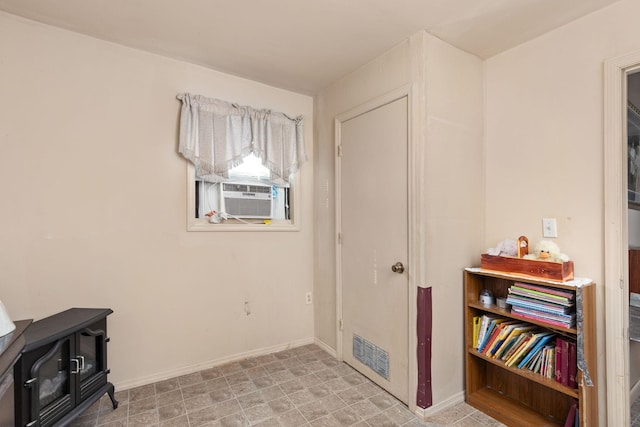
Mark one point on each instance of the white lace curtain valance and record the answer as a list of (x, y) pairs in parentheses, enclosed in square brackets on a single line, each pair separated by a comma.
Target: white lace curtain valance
[(216, 135)]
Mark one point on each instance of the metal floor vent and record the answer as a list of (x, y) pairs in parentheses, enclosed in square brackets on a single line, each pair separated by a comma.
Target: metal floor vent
[(371, 355)]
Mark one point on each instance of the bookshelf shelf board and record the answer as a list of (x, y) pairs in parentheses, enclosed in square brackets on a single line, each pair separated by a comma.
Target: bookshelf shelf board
[(509, 411), (547, 382), (506, 313), (569, 285)]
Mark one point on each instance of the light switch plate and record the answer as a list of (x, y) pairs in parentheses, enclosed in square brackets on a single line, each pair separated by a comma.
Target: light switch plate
[(549, 227)]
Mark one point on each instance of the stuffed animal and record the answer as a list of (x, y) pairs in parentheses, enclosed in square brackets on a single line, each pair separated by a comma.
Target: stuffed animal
[(546, 250), (504, 248)]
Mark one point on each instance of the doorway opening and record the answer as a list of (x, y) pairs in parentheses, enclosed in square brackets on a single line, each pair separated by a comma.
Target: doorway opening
[(616, 233)]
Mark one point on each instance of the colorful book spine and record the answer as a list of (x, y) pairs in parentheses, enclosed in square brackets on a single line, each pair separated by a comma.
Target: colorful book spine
[(546, 290), (562, 361), (539, 305), (559, 359), (540, 340), (543, 320), (565, 322), (573, 365), (477, 320)]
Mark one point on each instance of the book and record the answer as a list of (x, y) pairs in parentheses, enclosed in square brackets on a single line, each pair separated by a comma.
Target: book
[(524, 349), (559, 360), (505, 330), (477, 320), (561, 324), (572, 365), (495, 331), (571, 416), (560, 317), (565, 362), (537, 366), (536, 344), (483, 328), (492, 324), (551, 362), (535, 361), (540, 297), (521, 339), (543, 360), (555, 292), (510, 339), (562, 361), (531, 363), (548, 363), (548, 307)]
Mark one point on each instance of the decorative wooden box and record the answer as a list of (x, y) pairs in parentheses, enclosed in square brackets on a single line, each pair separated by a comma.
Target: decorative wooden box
[(560, 272)]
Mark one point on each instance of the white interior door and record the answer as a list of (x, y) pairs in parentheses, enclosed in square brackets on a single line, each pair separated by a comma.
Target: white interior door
[(374, 237)]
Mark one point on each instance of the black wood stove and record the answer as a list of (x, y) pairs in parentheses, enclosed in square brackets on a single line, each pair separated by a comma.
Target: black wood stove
[(63, 368)]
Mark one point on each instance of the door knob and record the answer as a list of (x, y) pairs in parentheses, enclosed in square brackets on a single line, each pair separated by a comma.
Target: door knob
[(397, 268)]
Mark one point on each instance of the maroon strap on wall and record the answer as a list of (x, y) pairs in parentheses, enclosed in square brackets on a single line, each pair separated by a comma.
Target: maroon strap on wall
[(424, 394)]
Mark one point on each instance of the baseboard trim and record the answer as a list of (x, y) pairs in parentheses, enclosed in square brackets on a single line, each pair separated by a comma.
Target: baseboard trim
[(441, 406), (150, 379), (326, 347)]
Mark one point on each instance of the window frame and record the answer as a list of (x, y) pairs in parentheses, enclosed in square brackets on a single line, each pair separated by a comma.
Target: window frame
[(203, 224)]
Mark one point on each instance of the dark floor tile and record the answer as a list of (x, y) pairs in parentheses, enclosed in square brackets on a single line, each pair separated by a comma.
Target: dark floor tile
[(141, 393), (144, 419), (282, 405), (167, 386), (171, 411)]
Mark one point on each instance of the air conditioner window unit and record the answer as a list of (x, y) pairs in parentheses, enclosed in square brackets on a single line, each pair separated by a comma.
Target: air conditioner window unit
[(246, 200)]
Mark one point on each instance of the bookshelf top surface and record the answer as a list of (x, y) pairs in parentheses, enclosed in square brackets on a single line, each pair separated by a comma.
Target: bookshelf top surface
[(576, 282)]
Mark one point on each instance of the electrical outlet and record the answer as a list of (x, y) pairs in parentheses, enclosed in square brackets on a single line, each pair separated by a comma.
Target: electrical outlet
[(308, 298), (549, 227)]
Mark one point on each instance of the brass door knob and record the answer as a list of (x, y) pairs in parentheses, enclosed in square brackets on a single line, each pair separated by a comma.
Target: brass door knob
[(397, 268)]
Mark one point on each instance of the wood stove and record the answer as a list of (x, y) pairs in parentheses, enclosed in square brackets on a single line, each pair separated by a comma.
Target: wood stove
[(63, 368)]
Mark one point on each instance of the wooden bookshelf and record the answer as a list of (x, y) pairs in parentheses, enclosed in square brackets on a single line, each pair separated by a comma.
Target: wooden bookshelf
[(519, 397)]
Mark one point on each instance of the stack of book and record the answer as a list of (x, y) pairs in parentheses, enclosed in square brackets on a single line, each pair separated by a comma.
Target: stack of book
[(566, 361), (552, 306), (526, 346)]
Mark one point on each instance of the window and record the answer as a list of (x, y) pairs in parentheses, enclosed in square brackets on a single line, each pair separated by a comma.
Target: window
[(248, 196), (243, 165), (240, 204)]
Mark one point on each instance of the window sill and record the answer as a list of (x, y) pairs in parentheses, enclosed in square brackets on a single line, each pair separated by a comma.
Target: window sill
[(234, 225)]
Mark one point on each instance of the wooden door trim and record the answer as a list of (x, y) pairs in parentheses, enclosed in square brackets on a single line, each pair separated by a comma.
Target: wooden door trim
[(616, 239)]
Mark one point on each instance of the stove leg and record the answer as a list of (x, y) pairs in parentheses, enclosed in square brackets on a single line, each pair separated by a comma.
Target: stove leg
[(111, 393)]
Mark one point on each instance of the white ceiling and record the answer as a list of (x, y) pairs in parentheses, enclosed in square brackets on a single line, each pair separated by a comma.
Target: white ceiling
[(301, 45)]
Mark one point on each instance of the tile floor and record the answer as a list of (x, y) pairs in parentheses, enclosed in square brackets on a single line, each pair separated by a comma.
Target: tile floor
[(303, 386), (635, 413)]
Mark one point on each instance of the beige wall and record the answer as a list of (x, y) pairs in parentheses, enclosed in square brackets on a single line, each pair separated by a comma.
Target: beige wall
[(93, 213), (544, 139), (447, 127)]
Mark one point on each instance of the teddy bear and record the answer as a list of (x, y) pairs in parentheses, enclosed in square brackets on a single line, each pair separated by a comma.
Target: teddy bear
[(505, 248), (546, 250)]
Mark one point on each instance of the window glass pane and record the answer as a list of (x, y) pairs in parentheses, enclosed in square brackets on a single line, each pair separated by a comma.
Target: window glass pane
[(248, 194), (252, 168)]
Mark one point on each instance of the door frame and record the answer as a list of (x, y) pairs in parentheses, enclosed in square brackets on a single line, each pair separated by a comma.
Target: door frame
[(616, 239), (413, 185)]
